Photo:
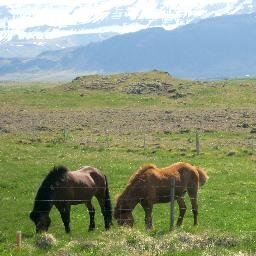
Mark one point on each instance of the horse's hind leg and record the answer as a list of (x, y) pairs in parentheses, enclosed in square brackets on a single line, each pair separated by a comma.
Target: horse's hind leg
[(182, 208), (192, 192), (65, 215), (107, 219), (91, 214)]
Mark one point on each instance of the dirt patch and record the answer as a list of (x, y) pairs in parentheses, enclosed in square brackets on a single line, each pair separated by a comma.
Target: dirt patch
[(126, 120)]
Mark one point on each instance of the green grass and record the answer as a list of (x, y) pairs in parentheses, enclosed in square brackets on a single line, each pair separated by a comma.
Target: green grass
[(50, 99), (223, 95), (227, 202), (214, 95)]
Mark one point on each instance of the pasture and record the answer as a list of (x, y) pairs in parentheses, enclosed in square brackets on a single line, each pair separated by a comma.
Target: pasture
[(117, 130)]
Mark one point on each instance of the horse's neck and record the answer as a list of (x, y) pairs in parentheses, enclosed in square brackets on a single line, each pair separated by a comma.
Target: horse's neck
[(43, 206), (43, 200), (133, 203), (130, 200)]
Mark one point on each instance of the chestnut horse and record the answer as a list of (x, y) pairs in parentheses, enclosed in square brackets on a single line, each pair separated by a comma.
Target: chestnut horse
[(63, 188), (151, 185)]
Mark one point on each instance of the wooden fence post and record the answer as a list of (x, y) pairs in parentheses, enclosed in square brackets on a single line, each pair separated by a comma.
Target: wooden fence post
[(33, 131), (172, 196), (144, 140), (91, 134), (18, 240), (197, 143), (107, 138), (65, 133)]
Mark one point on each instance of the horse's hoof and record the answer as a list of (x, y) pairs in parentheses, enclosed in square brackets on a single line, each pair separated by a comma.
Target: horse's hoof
[(67, 230)]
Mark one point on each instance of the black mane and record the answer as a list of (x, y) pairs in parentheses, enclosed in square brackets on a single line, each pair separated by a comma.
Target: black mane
[(56, 174), (44, 193)]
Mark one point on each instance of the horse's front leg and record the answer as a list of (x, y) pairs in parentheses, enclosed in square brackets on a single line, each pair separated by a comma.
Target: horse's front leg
[(64, 210), (148, 207), (91, 214)]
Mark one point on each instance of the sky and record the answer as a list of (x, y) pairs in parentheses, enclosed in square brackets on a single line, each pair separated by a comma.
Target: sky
[(59, 13)]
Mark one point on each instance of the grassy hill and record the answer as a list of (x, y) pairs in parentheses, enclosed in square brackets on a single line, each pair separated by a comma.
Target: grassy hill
[(118, 123)]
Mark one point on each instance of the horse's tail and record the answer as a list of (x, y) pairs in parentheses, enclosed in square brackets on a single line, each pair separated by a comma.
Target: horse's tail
[(203, 177), (107, 204)]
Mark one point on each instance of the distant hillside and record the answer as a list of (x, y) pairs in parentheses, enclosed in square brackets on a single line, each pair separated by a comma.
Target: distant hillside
[(29, 48), (214, 48), (154, 82)]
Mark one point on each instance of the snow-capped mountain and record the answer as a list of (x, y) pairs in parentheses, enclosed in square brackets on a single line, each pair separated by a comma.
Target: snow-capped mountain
[(45, 19), (219, 47)]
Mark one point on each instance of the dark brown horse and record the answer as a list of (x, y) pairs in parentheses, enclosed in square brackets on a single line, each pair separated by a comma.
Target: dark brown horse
[(151, 185), (63, 188)]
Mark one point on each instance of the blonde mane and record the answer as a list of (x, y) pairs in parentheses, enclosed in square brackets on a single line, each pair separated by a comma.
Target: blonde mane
[(141, 171), (136, 176)]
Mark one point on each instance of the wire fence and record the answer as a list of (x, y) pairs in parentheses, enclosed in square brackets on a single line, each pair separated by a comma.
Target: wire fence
[(90, 137), (194, 139), (169, 195), (167, 198)]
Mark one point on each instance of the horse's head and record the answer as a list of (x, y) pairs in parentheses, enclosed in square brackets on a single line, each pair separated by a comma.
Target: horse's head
[(42, 221), (123, 216)]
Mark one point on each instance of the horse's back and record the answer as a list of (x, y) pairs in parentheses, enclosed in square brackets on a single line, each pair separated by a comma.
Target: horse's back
[(177, 167), (159, 180), (180, 169), (81, 185), (87, 169), (88, 175)]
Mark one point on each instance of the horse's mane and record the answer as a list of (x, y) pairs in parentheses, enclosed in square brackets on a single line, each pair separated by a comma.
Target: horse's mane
[(56, 174), (135, 177), (45, 190), (141, 171)]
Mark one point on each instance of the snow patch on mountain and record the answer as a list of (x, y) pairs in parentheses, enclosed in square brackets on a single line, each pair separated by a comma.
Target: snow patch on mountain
[(45, 19)]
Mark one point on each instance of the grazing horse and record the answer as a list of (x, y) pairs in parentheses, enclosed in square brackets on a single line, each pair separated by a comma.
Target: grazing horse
[(151, 185), (63, 188)]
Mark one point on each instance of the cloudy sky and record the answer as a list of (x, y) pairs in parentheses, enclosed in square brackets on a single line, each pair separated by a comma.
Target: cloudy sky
[(18, 15)]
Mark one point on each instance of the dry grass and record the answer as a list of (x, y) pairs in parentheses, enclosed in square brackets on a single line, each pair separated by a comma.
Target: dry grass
[(45, 241), (126, 241)]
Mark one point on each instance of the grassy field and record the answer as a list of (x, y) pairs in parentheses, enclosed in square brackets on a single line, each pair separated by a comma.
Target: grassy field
[(118, 129)]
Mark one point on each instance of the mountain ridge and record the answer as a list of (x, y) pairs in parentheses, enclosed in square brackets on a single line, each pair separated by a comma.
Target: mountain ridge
[(212, 48), (28, 28)]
